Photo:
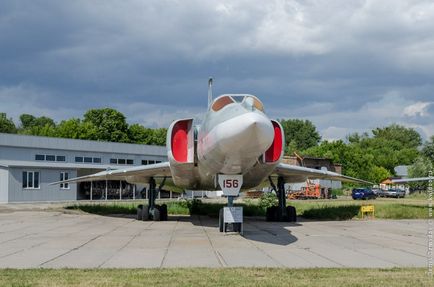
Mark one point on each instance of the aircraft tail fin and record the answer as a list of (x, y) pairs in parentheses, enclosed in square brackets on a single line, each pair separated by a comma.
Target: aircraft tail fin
[(209, 92)]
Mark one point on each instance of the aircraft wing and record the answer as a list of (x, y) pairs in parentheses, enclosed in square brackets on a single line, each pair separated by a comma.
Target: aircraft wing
[(131, 174), (294, 173), (405, 180)]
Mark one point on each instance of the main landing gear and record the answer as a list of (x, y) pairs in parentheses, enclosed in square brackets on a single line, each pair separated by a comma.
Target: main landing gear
[(152, 211), (280, 212)]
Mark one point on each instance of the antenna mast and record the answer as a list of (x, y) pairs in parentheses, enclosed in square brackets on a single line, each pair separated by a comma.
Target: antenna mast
[(209, 92)]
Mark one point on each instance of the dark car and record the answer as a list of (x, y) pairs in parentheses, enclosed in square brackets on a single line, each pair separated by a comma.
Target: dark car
[(363, 193)]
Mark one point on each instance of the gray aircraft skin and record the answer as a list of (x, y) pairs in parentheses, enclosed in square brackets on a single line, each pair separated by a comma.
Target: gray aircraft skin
[(235, 138)]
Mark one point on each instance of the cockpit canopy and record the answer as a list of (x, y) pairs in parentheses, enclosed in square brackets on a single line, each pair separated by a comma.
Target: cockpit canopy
[(248, 101)]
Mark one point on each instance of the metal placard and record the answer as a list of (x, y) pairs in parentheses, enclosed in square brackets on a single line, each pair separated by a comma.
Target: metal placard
[(233, 214), (230, 184)]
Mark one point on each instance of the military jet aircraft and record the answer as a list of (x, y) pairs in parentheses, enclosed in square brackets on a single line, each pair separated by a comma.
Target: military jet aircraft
[(236, 147)]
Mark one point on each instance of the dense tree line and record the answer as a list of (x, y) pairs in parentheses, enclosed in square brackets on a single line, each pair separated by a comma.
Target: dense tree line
[(370, 157), (97, 124)]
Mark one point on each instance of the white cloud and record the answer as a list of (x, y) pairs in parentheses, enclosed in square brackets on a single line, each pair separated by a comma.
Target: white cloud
[(417, 109)]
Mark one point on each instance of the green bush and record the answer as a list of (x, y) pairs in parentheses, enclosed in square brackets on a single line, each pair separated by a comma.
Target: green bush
[(268, 199)]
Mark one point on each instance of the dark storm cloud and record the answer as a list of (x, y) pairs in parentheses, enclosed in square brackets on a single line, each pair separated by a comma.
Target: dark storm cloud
[(343, 64)]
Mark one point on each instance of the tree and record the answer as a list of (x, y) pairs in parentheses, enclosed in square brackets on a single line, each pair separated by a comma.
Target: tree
[(408, 137), (110, 125), (27, 121), (7, 125), (301, 134), (30, 121), (38, 126), (421, 168), (428, 149), (139, 134), (159, 136)]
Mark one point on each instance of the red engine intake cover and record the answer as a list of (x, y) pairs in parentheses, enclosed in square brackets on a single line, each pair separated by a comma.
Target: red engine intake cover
[(275, 150), (179, 144)]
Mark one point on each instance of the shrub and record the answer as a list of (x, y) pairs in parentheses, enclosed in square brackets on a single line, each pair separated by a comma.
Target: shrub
[(268, 199)]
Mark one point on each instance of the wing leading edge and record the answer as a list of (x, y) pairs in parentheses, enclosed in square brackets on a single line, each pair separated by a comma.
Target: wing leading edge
[(414, 179), (139, 174), (293, 173)]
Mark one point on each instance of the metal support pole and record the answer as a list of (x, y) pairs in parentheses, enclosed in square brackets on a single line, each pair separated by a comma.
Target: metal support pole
[(91, 190), (230, 201), (134, 192), (120, 189), (170, 194), (282, 197), (106, 188), (202, 194), (152, 187)]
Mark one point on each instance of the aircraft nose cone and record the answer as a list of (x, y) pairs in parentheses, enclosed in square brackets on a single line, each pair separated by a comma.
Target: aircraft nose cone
[(250, 133), (259, 129)]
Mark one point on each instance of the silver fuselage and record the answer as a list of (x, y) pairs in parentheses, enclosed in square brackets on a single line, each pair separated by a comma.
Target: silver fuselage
[(232, 140)]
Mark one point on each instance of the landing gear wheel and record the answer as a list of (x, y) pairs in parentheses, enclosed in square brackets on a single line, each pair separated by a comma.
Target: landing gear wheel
[(145, 213), (271, 213), (163, 212), (221, 223), (292, 213), (156, 215), (140, 212)]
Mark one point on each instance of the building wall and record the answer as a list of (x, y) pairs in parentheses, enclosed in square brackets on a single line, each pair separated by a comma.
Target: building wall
[(28, 154), (45, 192), (4, 183)]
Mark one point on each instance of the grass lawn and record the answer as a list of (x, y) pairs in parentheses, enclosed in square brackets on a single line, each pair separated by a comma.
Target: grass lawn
[(340, 209), (216, 277)]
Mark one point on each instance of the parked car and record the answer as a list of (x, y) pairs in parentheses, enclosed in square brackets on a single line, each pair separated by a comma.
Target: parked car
[(380, 192), (396, 193), (363, 193)]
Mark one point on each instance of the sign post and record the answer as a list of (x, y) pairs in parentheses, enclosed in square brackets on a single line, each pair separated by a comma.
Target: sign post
[(231, 186)]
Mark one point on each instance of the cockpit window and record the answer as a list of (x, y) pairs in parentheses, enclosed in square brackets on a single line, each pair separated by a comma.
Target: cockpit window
[(254, 103), (222, 102), (238, 99), (258, 104)]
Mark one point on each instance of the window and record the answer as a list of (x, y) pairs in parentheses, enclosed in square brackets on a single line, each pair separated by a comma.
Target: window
[(64, 176), (221, 102), (39, 157), (31, 179), (158, 161), (60, 158), (97, 160), (113, 161), (130, 161), (151, 161), (121, 161), (144, 162), (50, 157), (88, 159), (253, 101), (78, 159)]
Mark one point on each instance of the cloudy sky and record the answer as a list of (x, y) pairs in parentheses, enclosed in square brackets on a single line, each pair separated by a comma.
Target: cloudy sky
[(348, 66)]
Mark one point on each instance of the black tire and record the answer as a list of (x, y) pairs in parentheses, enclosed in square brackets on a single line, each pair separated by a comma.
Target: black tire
[(292, 213), (271, 213), (156, 216), (145, 213), (163, 212), (140, 212), (221, 223)]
